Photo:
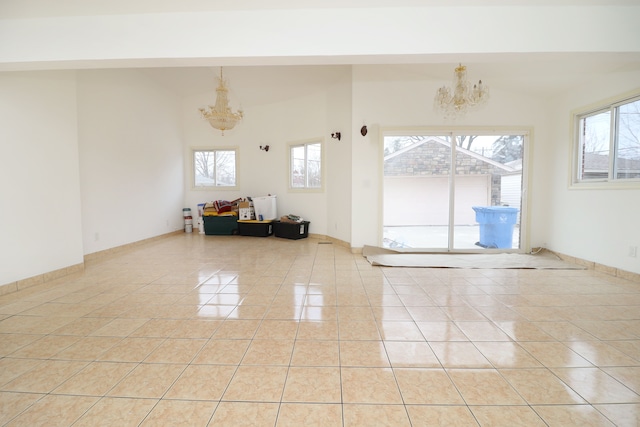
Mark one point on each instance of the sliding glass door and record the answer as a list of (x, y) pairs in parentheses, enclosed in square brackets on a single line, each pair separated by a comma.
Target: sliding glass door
[(453, 191)]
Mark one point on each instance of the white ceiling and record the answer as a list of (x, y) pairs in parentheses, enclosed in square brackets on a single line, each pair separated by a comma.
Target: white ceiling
[(268, 78), (49, 8), (535, 74)]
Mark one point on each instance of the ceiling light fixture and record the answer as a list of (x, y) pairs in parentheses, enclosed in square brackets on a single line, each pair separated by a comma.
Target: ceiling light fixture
[(220, 115), (455, 103)]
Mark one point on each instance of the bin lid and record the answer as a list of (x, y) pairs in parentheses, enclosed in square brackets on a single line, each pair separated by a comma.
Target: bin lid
[(502, 209)]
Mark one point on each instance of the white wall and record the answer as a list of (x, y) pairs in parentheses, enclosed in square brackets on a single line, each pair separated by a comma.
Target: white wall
[(260, 173), (131, 165), (594, 224), (387, 97), (39, 178), (339, 157)]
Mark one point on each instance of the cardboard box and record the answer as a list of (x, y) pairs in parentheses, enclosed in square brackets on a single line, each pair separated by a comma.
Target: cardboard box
[(246, 211)]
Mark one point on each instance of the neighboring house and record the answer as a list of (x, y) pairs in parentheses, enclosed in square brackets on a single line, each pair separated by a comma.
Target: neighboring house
[(416, 184), (511, 186), (596, 166)]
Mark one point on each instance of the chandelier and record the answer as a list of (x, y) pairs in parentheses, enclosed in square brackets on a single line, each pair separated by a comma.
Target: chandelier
[(220, 115), (455, 103)]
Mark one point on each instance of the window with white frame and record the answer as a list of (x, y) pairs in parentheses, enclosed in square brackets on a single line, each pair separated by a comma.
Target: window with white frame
[(215, 168), (305, 165), (608, 143)]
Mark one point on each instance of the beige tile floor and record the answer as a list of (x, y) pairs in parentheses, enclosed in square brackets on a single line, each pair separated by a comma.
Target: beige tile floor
[(200, 330)]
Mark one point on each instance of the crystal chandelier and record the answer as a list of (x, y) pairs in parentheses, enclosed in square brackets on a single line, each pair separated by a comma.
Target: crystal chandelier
[(455, 103), (220, 115)]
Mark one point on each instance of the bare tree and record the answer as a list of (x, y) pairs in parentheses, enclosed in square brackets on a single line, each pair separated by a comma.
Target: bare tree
[(507, 148), (463, 141), (225, 167), (314, 171), (595, 133), (629, 130), (218, 166), (466, 141), (204, 164)]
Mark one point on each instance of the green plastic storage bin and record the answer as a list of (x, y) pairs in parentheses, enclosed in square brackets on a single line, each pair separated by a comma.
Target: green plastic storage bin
[(220, 225)]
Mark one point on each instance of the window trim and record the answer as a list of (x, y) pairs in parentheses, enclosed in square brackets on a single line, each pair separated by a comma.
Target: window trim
[(610, 182), (192, 166), (305, 142)]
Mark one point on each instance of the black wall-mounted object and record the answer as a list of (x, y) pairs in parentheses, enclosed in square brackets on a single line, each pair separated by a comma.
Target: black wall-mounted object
[(363, 130), (336, 135), (265, 148)]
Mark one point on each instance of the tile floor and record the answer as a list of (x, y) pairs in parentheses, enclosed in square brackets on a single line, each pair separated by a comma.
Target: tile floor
[(231, 331)]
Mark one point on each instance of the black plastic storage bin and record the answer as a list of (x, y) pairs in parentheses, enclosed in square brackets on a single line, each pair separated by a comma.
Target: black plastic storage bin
[(220, 225), (291, 230), (255, 228)]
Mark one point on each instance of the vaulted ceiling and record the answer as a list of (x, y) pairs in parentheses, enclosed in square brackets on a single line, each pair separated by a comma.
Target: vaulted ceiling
[(539, 73)]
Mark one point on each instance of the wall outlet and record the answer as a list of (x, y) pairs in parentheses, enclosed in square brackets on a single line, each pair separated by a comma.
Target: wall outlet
[(96, 237), (633, 251)]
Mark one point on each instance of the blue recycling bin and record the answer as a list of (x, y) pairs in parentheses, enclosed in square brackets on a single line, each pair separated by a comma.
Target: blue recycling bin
[(496, 225)]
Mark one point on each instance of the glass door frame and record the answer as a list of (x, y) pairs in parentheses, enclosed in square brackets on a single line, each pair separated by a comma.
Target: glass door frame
[(453, 132)]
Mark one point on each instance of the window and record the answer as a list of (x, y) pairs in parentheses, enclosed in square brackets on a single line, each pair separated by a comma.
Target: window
[(444, 188), (214, 168), (305, 165), (608, 143)]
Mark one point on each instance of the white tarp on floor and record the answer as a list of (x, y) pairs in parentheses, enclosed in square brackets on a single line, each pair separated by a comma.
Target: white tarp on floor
[(391, 258)]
